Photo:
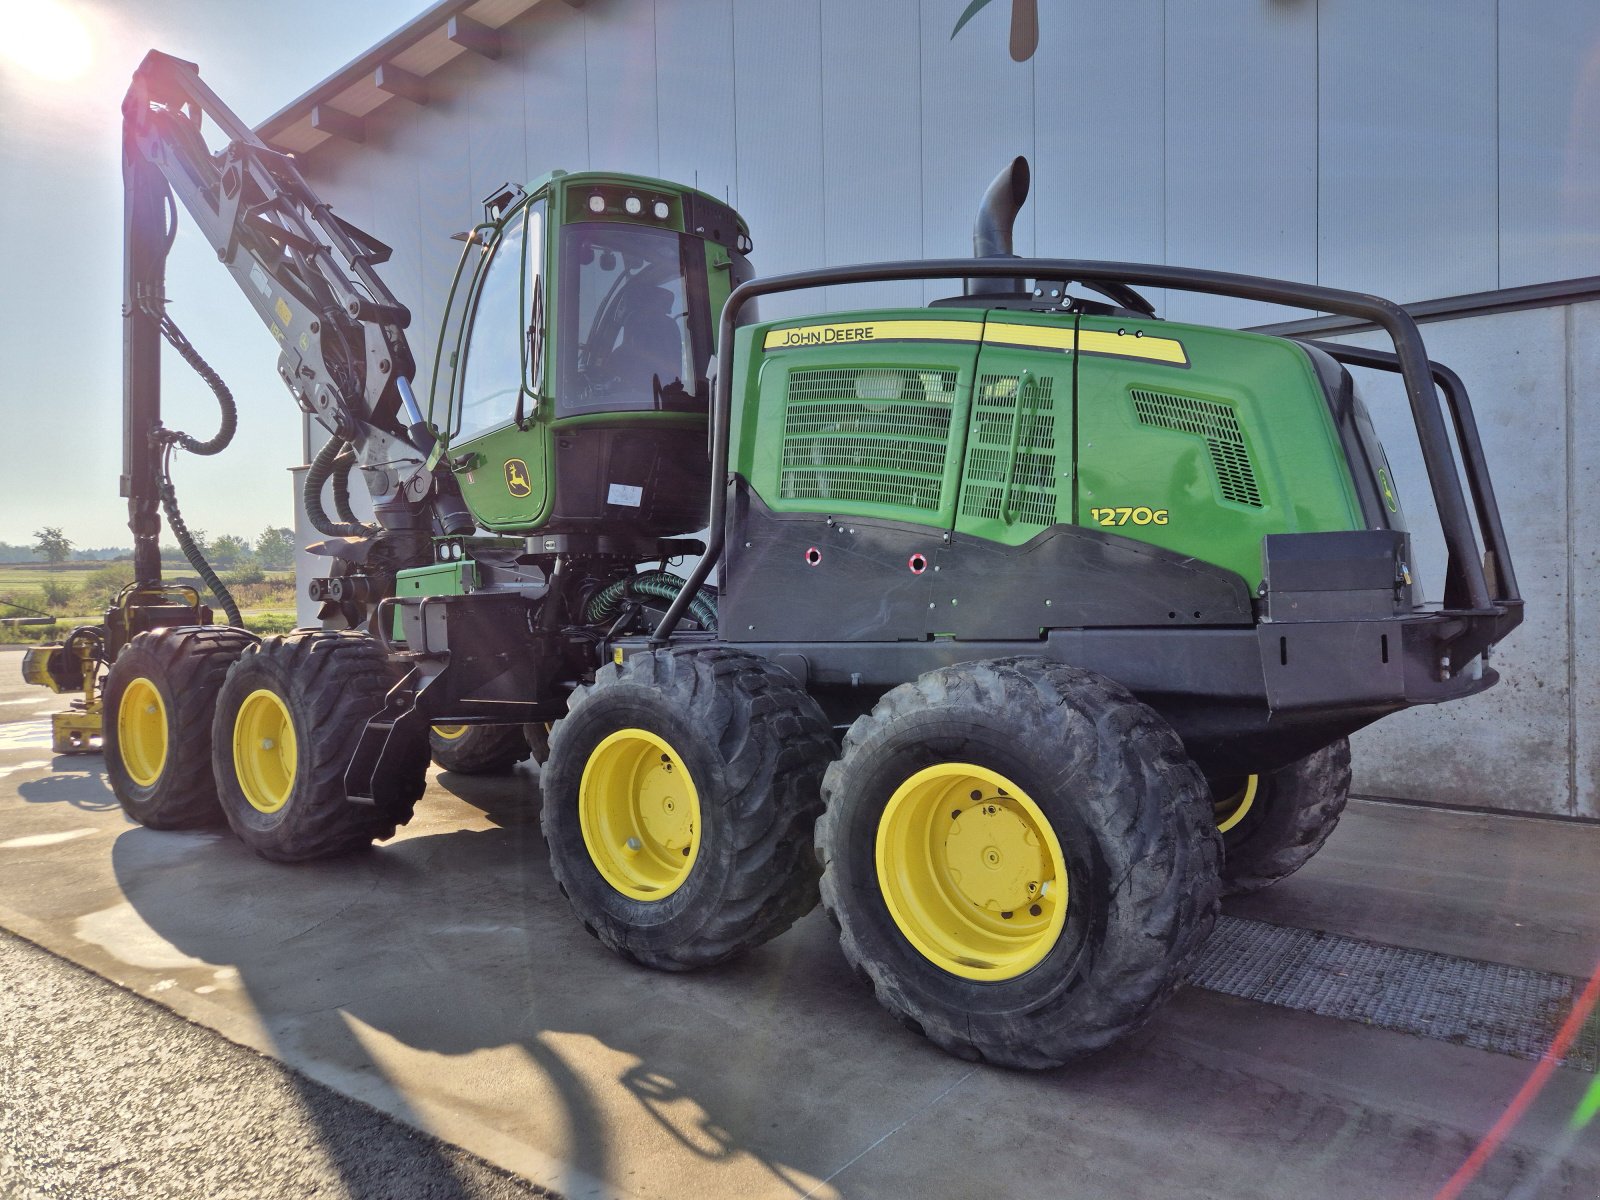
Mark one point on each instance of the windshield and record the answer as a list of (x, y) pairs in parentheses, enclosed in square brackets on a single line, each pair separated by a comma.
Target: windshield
[(634, 320)]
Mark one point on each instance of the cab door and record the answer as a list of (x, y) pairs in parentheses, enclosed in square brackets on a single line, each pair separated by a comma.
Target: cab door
[(503, 467)]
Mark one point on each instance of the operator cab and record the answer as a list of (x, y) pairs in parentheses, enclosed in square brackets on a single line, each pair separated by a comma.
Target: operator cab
[(576, 398)]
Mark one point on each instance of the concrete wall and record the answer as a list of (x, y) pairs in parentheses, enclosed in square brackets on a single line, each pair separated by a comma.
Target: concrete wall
[(1414, 150), (1533, 742)]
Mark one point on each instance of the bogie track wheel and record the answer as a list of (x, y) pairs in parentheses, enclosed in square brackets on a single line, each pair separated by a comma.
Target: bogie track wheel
[(1273, 823), (287, 724), (1020, 857), (158, 702), (478, 749), (679, 798)]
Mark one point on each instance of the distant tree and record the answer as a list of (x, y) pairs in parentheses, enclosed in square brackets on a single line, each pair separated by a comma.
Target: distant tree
[(275, 548), (53, 544), (227, 551)]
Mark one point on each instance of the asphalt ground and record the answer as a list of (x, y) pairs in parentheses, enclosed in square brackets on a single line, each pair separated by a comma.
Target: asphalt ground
[(441, 982), (106, 1094)]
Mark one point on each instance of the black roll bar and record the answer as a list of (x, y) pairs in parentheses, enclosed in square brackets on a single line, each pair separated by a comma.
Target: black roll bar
[(1466, 427), (1410, 359)]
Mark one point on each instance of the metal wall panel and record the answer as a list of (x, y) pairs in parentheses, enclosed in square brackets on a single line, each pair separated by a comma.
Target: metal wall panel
[(496, 122), (694, 94), (446, 205), (1241, 148), (872, 171), (555, 89), (620, 49), (1549, 139), (977, 115), (1408, 194), (778, 92), (1099, 170)]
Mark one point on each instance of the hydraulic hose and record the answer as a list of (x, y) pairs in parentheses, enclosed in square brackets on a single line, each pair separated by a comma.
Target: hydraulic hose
[(662, 585), (168, 438), (327, 464), (191, 549)]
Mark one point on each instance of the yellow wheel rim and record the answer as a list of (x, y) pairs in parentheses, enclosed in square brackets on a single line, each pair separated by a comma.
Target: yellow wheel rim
[(450, 732), (264, 750), (142, 731), (1231, 809), (640, 814), (972, 872)]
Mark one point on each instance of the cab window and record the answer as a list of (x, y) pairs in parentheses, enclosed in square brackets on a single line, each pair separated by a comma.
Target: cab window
[(634, 320), (504, 340)]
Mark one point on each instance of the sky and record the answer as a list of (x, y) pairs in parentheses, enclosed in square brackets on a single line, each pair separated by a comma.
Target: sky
[(64, 66)]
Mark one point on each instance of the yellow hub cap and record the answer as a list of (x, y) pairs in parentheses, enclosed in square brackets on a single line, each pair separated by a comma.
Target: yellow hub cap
[(264, 750), (1230, 810), (972, 872), (450, 732), (640, 814), (142, 731)]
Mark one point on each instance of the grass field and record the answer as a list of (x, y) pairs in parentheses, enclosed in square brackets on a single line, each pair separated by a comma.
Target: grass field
[(82, 590)]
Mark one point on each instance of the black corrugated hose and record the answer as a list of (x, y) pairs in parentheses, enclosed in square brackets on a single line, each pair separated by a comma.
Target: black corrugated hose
[(332, 460), (663, 585), (169, 438)]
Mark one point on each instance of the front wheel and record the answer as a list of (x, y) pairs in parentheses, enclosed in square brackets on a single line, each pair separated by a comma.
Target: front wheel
[(478, 749), (679, 798), (1272, 824), (288, 720), (1020, 858)]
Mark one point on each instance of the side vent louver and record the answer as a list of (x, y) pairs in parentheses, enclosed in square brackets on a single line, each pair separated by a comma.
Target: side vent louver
[(867, 435), (1218, 426), (1033, 473)]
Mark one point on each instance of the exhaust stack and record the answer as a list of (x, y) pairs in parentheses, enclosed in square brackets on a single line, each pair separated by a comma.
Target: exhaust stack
[(991, 233)]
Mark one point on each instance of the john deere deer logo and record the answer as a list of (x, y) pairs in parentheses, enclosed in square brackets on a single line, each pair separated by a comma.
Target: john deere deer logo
[(1024, 26), (517, 482)]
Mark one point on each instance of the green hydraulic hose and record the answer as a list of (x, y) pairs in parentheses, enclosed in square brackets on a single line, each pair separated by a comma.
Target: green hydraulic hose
[(662, 585)]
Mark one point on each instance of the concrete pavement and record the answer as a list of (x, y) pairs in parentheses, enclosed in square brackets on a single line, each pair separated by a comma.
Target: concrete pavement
[(442, 980)]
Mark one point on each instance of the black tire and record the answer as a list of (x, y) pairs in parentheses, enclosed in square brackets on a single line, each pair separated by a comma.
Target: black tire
[(329, 682), (537, 735), (754, 745), (185, 667), (1132, 817), (1291, 815), (478, 749)]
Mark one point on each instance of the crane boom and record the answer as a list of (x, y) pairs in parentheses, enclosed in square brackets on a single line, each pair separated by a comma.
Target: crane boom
[(311, 277)]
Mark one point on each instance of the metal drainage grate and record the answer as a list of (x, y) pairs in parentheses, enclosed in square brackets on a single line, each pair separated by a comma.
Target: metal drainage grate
[(1489, 1006)]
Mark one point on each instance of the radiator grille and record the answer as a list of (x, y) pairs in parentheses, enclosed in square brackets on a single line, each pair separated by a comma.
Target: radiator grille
[(1033, 480), (1218, 426), (867, 435)]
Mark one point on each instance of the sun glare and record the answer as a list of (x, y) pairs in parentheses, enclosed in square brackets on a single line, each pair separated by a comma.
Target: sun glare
[(44, 38)]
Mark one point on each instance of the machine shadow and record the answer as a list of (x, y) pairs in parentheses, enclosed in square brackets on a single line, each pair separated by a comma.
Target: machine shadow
[(458, 942), (78, 780)]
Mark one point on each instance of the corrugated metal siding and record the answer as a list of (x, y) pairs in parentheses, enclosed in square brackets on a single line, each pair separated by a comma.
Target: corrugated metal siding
[(1413, 150), (1409, 189), (1549, 140)]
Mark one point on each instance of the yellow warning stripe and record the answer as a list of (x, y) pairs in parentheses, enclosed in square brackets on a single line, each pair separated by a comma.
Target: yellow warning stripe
[(844, 333), (999, 333), (1090, 341)]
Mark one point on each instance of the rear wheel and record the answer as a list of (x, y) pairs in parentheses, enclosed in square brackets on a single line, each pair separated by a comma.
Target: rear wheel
[(678, 803), (158, 702), (287, 723), (477, 749), (1272, 824), (1020, 858)]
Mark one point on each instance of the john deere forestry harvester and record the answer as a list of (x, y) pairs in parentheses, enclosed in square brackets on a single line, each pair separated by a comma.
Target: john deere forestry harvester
[(1041, 622)]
